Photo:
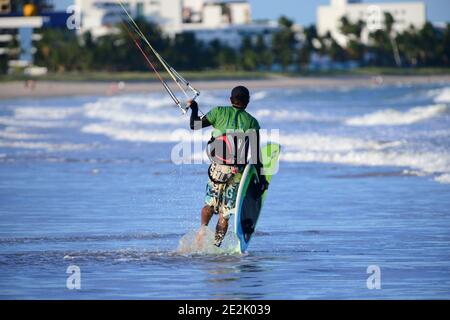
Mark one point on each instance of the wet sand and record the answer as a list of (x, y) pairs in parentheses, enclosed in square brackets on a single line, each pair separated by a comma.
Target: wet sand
[(10, 90)]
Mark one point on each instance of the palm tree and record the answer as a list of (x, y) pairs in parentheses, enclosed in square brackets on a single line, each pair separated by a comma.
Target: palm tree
[(284, 43), (307, 48), (389, 22), (446, 45), (353, 32)]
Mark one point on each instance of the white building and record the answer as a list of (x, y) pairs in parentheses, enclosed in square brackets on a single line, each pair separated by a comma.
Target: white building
[(406, 14), (101, 16), (174, 16), (216, 13), (25, 27), (233, 35), (227, 21)]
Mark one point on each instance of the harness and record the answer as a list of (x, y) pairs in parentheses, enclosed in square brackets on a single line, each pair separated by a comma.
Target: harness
[(228, 154)]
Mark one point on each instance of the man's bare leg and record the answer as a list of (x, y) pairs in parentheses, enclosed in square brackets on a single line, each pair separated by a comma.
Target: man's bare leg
[(207, 213), (221, 230)]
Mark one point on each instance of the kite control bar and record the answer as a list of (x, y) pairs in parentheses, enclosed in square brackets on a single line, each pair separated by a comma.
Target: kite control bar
[(186, 108)]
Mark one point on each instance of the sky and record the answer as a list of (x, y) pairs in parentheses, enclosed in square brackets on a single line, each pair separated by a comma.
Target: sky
[(304, 11)]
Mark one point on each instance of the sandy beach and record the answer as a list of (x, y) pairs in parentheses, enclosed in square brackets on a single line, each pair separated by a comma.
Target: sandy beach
[(17, 89)]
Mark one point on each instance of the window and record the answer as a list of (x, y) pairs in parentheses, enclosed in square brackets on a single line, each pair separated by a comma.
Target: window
[(140, 9), (5, 6)]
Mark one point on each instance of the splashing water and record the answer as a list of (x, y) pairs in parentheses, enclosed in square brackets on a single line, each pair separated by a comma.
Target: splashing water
[(201, 242)]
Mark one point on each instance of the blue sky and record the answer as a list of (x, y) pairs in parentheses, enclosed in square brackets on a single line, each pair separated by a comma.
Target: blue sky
[(304, 11)]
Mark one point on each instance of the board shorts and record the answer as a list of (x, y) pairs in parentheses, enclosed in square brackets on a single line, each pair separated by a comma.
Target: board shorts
[(222, 196)]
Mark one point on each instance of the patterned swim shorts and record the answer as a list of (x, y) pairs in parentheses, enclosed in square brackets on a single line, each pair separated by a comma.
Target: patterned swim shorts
[(222, 197)]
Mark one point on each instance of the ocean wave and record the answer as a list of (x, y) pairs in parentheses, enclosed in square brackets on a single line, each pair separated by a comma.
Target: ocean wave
[(52, 147), (260, 95), (148, 101), (121, 133), (285, 115), (48, 124), (427, 162), (210, 99), (391, 117), (125, 116), (444, 178), (17, 135), (155, 102), (441, 95), (315, 142), (141, 110), (150, 109), (39, 113), (366, 152), (292, 143)]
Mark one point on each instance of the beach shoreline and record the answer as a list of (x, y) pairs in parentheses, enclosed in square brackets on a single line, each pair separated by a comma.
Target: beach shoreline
[(47, 89)]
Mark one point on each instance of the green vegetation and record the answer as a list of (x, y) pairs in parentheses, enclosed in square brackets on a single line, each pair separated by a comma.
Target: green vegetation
[(427, 47), (137, 76), (116, 56)]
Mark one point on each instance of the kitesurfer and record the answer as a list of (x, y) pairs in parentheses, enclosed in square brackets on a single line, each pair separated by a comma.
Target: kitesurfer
[(225, 171)]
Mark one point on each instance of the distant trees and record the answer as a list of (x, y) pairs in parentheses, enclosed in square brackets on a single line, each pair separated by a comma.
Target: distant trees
[(264, 55), (249, 55), (353, 32), (308, 47), (426, 47), (61, 50), (446, 46), (284, 43)]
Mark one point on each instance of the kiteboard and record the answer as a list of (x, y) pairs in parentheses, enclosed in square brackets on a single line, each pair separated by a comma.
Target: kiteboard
[(249, 201)]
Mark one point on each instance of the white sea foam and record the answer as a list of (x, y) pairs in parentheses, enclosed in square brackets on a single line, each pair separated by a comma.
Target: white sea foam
[(40, 117), (121, 133), (444, 178), (260, 95), (133, 110), (14, 122), (417, 173), (120, 114), (17, 135), (147, 101), (315, 142), (362, 152), (285, 115), (427, 162), (441, 95), (391, 117), (44, 146), (39, 113)]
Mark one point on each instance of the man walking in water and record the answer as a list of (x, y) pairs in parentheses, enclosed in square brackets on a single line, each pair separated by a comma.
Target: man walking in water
[(224, 176)]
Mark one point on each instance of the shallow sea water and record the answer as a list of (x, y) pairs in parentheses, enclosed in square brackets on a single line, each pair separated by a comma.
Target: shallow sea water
[(364, 180)]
